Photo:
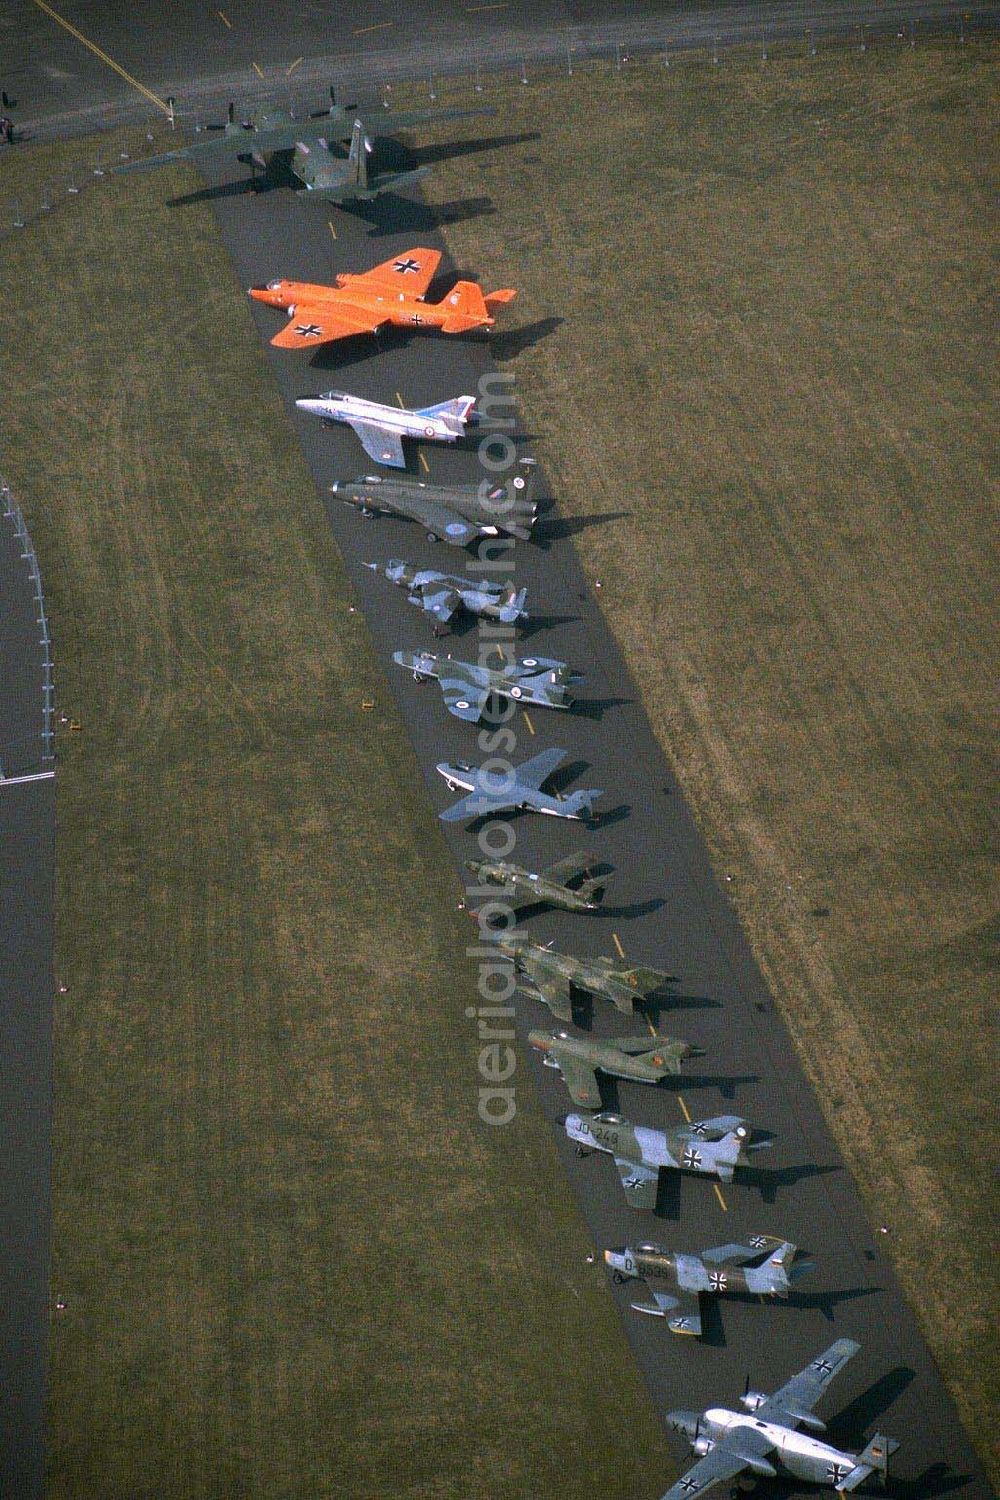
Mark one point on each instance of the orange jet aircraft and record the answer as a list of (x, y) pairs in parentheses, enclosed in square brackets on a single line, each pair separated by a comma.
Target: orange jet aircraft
[(391, 293)]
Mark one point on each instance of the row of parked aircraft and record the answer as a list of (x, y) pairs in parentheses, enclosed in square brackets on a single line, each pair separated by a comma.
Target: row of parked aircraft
[(766, 1436)]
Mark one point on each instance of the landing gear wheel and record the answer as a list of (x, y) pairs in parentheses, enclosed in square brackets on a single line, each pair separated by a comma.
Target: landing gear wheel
[(432, 536)]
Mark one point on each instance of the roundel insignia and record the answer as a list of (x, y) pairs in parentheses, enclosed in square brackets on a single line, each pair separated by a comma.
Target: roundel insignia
[(529, 661), (515, 692), (658, 1061), (519, 483), (428, 432), (454, 528), (462, 703)]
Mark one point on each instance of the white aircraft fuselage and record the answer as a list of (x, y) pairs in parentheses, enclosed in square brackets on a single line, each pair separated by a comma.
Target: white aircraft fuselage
[(339, 406)]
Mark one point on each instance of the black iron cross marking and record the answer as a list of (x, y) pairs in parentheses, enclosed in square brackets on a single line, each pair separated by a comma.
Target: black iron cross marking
[(404, 266), (699, 1128), (308, 330), (416, 318), (823, 1367), (689, 1485), (692, 1158), (758, 1241), (718, 1281), (836, 1472)]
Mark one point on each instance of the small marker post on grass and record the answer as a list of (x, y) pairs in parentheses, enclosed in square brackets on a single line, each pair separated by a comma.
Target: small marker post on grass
[(479, 79), (569, 57), (431, 83), (715, 53), (524, 71), (18, 220)]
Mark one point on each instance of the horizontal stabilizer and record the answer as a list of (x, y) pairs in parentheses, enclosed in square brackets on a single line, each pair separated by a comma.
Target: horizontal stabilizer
[(874, 1460)]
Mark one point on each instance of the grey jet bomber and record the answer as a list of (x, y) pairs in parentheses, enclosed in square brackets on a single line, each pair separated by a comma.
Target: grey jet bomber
[(467, 686), (382, 428), (713, 1148), (441, 594), (551, 976), (454, 513), (516, 790), (580, 1058), (551, 887), (676, 1282), (255, 140), (765, 1438)]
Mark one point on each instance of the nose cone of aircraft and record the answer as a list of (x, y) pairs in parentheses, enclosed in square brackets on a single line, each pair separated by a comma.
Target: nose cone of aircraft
[(616, 1260), (315, 405), (574, 1128)]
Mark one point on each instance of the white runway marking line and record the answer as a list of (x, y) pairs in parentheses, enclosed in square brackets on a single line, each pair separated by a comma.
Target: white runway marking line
[(20, 780)]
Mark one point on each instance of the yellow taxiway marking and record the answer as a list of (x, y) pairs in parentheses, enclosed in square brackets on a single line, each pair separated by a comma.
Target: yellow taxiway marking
[(291, 67), (424, 464), (332, 230), (379, 26), (618, 945), (98, 52), (684, 1109), (722, 1202), (224, 19), (258, 70), (652, 1028), (531, 727)]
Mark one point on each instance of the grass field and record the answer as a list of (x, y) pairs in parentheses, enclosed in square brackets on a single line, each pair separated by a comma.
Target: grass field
[(777, 353), (293, 1261)]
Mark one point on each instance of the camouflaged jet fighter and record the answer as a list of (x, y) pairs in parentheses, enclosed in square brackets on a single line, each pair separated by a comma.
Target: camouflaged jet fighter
[(551, 977), (713, 1148), (549, 888), (676, 1281), (257, 139), (441, 594), (765, 1438), (580, 1058), (454, 513), (467, 686), (493, 791)]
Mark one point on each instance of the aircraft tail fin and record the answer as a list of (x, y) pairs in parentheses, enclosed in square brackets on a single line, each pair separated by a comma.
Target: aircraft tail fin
[(593, 888), (466, 307), (514, 600), (781, 1259), (458, 407), (358, 156), (581, 804), (874, 1460)]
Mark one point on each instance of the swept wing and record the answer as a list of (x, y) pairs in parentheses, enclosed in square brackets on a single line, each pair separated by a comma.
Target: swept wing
[(565, 870), (411, 273), (383, 446), (442, 603), (581, 1080), (539, 768), (737, 1254), (687, 1317), (552, 989), (639, 1182), (466, 700)]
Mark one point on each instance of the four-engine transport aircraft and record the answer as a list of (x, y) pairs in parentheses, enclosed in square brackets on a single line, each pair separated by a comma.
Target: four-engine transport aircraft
[(365, 301), (765, 1438), (382, 428), (441, 594), (453, 513), (266, 132), (713, 1148), (580, 1058), (467, 687), (550, 887), (551, 976), (677, 1281), (518, 790)]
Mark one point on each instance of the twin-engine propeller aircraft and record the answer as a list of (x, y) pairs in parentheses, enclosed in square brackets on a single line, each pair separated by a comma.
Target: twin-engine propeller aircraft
[(364, 302), (765, 1438), (266, 132), (761, 1266)]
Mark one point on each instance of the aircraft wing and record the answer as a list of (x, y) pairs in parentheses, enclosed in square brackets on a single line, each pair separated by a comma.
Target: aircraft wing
[(718, 1464), (442, 603), (581, 1080), (476, 805), (554, 991), (445, 523), (384, 447), (312, 326), (466, 700), (735, 1255), (539, 768), (801, 1393), (565, 870), (687, 1318), (639, 1182), (167, 158), (412, 273)]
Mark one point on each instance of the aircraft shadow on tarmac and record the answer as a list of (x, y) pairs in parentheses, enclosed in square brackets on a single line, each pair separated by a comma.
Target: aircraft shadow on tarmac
[(596, 708), (391, 214), (769, 1181), (551, 528), (659, 1007), (537, 623)]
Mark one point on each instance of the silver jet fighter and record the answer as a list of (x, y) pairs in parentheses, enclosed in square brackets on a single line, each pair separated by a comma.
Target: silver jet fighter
[(676, 1282), (454, 513), (765, 1438), (383, 428), (713, 1148), (467, 686), (579, 1059), (517, 790), (441, 594), (549, 887)]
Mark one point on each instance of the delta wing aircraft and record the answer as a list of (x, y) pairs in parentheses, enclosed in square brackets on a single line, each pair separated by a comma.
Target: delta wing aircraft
[(495, 791), (551, 976), (765, 1438), (467, 686), (365, 301), (441, 594), (713, 1148), (676, 1282), (551, 887), (382, 428), (580, 1058), (455, 513), (266, 132)]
